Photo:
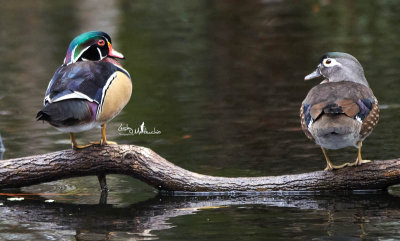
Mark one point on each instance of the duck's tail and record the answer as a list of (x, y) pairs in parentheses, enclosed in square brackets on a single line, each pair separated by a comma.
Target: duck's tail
[(67, 112)]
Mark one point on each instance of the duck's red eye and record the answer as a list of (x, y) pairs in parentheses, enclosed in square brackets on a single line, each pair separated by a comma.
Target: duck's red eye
[(101, 42)]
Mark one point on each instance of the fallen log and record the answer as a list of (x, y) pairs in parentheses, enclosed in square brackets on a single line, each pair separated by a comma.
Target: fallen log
[(146, 165)]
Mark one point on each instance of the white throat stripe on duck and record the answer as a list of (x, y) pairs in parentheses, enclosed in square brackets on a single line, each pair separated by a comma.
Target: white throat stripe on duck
[(105, 88)]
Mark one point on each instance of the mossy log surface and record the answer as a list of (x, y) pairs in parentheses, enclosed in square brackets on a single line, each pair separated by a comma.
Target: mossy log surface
[(146, 165)]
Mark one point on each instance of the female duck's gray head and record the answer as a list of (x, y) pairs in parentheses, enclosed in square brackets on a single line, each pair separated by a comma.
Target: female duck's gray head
[(337, 66)]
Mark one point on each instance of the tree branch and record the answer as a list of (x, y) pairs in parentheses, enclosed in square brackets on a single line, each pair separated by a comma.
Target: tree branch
[(148, 166)]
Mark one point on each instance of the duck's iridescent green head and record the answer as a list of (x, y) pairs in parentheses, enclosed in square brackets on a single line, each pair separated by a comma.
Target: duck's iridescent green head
[(93, 45)]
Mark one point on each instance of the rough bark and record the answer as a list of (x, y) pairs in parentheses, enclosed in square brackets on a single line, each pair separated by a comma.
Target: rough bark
[(148, 166)]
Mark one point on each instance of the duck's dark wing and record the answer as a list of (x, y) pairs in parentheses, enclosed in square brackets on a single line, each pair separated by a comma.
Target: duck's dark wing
[(76, 91), (352, 99), (82, 80)]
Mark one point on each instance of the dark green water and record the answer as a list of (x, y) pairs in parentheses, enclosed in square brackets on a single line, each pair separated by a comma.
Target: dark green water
[(223, 82)]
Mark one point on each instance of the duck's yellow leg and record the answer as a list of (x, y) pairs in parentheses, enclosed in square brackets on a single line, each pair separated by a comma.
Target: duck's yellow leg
[(329, 165), (74, 144), (103, 140), (359, 160)]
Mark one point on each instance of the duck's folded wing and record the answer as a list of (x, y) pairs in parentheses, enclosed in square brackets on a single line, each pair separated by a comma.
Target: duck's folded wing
[(348, 98), (82, 80), (370, 117)]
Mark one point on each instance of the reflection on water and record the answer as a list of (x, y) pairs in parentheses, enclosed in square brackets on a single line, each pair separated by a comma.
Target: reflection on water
[(339, 217), (222, 81)]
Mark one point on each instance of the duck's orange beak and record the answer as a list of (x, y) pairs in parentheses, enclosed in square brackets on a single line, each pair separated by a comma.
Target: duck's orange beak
[(114, 53)]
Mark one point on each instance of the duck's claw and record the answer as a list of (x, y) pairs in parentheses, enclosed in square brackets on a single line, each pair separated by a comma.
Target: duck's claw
[(330, 167), (359, 160), (75, 146)]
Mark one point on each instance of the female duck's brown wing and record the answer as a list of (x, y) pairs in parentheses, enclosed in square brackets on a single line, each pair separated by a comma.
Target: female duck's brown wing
[(351, 99), (370, 121), (303, 122)]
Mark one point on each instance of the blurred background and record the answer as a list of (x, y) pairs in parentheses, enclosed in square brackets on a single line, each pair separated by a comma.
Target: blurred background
[(223, 82)]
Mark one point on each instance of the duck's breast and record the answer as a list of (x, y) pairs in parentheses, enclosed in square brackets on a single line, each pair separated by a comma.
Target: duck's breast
[(116, 96)]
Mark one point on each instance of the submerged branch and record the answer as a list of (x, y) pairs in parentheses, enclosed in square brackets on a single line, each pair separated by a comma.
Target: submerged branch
[(146, 165)]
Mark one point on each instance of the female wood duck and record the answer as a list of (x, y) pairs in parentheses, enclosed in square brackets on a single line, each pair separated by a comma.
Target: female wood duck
[(89, 89), (342, 110)]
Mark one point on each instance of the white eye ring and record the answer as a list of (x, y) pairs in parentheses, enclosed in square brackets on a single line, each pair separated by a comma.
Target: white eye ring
[(328, 62)]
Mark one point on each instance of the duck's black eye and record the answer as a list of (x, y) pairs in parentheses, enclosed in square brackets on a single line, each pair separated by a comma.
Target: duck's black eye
[(101, 42), (328, 61)]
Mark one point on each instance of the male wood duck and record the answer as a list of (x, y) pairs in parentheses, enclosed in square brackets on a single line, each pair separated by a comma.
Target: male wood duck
[(341, 111), (89, 89)]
